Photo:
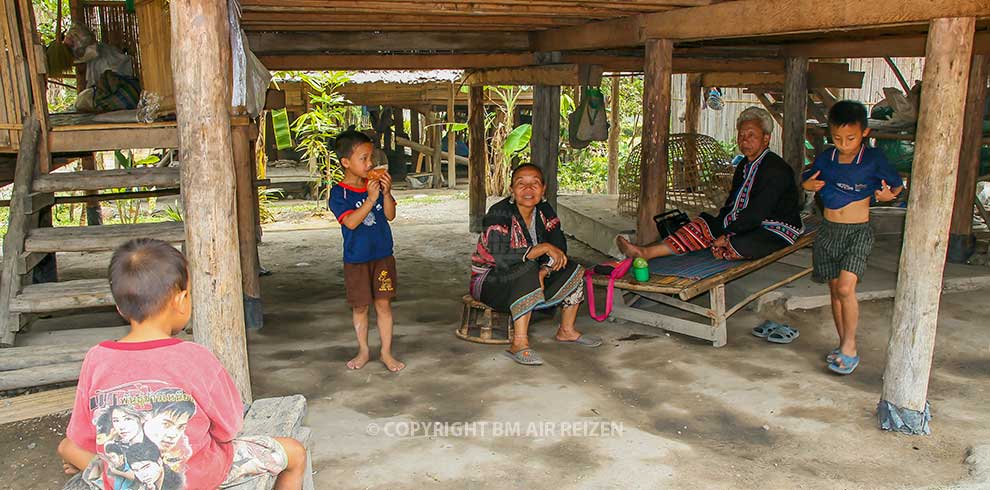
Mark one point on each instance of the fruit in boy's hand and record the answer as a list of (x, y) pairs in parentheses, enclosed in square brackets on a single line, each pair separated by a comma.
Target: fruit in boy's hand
[(640, 263), (377, 173)]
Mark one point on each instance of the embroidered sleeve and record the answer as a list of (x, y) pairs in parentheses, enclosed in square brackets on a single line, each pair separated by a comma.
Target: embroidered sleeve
[(498, 243), (769, 186)]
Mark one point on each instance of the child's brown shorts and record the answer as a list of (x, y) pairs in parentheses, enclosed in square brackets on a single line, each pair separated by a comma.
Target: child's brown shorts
[(368, 281)]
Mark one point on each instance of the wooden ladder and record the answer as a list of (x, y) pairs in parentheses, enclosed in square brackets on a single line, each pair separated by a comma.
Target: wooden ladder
[(28, 243)]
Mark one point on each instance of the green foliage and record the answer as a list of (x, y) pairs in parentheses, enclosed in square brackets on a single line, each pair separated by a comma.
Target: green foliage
[(173, 213), (517, 140), (315, 129), (129, 210)]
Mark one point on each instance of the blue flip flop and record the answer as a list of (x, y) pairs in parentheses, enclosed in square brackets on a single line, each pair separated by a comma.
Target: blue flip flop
[(849, 364), (830, 357), (765, 329), (783, 335)]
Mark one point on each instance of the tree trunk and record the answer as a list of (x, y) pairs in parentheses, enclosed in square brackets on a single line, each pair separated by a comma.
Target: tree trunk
[(201, 62), (656, 131), (919, 283)]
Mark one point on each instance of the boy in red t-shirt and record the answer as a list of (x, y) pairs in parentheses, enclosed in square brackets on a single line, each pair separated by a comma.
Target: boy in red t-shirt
[(153, 411)]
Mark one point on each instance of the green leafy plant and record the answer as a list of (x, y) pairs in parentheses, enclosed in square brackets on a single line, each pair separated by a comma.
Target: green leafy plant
[(173, 213), (129, 210)]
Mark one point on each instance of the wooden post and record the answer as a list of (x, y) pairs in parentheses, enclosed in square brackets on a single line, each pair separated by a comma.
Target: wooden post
[(962, 242), (613, 140), (545, 143), (478, 158), (919, 282), (795, 113), (94, 213), (451, 138), (437, 152), (248, 244), (656, 131), (414, 133), (692, 104), (201, 44)]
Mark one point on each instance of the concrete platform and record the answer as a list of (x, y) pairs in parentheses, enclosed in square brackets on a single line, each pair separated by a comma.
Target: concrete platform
[(595, 221)]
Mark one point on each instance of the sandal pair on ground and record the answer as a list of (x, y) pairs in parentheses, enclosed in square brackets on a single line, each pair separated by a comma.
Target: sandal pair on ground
[(779, 333), (529, 357)]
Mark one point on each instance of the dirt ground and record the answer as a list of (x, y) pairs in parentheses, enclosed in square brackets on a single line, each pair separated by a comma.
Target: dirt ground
[(646, 410)]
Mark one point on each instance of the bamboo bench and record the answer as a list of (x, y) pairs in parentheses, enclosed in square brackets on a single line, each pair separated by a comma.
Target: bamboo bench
[(274, 417), (677, 291)]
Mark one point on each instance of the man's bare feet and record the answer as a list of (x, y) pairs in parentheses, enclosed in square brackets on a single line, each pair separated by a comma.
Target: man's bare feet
[(359, 361), (627, 248), (392, 363)]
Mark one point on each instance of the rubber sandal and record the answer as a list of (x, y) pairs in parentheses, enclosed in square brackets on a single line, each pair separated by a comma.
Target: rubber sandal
[(848, 364), (830, 357), (783, 335), (526, 357), (584, 340), (765, 328)]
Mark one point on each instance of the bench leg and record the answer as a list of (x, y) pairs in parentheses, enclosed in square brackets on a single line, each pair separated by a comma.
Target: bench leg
[(717, 298)]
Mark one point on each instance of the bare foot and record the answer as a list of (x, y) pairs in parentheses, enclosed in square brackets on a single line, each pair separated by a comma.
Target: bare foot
[(359, 361), (392, 363), (567, 335), (627, 248), (69, 469)]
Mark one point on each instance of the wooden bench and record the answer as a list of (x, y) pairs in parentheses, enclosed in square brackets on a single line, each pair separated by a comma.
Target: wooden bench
[(273, 417), (676, 291)]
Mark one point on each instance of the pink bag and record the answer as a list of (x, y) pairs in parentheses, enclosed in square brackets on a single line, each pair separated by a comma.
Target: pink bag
[(619, 271)]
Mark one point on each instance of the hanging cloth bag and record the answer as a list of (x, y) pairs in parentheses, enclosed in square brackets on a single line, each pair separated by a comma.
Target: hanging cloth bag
[(620, 270), (593, 122)]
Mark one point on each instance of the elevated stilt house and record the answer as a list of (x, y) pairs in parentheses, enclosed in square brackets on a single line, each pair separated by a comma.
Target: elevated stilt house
[(780, 48)]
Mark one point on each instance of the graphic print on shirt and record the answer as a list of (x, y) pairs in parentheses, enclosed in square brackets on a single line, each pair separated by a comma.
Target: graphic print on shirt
[(140, 435), (369, 220)]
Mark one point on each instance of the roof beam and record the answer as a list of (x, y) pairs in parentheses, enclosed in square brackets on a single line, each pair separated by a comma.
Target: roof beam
[(896, 46), (566, 74), (744, 18), (820, 75), (280, 42)]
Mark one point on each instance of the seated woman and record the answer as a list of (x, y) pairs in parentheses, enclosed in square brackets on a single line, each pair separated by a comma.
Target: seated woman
[(761, 215), (521, 264)]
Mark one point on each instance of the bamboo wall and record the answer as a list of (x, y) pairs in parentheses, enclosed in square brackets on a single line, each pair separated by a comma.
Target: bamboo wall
[(14, 83)]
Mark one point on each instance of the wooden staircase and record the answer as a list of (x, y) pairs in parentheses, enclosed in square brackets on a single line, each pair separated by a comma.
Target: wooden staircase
[(27, 243)]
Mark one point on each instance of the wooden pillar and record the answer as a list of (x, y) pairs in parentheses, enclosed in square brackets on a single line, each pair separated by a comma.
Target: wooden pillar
[(545, 143), (477, 158), (614, 131), (656, 131), (201, 45), (919, 282), (414, 133), (962, 242), (692, 104), (76, 13), (451, 139), (94, 213), (795, 112), (435, 137), (248, 244)]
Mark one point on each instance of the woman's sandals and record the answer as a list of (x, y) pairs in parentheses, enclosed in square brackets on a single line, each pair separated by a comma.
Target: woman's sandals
[(777, 333)]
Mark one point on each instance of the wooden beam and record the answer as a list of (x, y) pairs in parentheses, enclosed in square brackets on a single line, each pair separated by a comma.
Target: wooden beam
[(895, 46), (425, 149), (818, 77), (795, 114), (478, 155), (94, 180), (451, 139), (616, 33), (919, 283), (33, 405), (962, 242), (249, 19), (614, 130), (545, 142), (113, 139), (436, 161), (393, 61), (201, 44), (565, 74), (692, 110), (18, 225), (275, 43), (656, 130)]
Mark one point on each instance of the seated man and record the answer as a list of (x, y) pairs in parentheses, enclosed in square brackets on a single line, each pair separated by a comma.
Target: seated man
[(761, 215)]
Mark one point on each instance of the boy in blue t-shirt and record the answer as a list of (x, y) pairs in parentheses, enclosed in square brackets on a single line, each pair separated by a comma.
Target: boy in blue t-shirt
[(846, 177), (364, 205)]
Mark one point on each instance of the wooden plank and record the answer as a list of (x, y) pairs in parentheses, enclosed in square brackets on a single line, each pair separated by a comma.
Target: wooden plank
[(478, 155), (919, 282), (656, 130), (66, 295), (28, 260), (40, 375), (394, 61), (545, 142), (37, 201), (595, 35), (82, 336), (100, 238), (897, 46), (19, 224), (93, 180), (25, 407), (275, 417), (201, 45), (795, 115), (68, 141), (113, 196), (425, 149), (694, 329), (25, 357), (275, 43), (564, 74), (816, 79)]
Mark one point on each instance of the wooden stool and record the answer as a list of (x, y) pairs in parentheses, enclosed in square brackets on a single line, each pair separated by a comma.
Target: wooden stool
[(477, 315)]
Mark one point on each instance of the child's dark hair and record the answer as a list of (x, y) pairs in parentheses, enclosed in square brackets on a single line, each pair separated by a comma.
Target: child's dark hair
[(142, 451), (523, 167), (345, 142), (144, 274), (113, 447), (846, 112)]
